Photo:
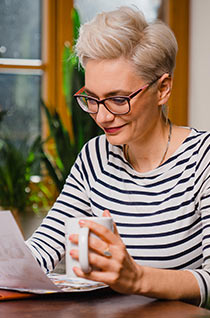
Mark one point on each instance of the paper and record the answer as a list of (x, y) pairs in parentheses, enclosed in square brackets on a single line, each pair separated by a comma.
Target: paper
[(20, 271)]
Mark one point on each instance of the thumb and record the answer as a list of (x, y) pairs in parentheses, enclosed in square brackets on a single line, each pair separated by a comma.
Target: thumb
[(106, 213)]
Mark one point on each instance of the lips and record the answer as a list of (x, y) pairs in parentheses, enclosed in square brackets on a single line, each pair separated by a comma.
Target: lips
[(112, 130)]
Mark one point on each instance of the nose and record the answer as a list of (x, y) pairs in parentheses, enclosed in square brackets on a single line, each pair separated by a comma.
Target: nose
[(103, 115)]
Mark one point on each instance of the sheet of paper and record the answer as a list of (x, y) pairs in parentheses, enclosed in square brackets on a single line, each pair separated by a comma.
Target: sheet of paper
[(18, 268), (20, 271)]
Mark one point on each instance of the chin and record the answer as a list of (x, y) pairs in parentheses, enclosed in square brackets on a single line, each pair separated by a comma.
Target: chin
[(115, 140)]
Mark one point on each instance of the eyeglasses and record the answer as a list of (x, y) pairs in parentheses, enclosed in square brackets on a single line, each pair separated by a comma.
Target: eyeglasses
[(117, 105)]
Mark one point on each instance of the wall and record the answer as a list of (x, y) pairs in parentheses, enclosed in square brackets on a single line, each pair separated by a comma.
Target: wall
[(199, 66)]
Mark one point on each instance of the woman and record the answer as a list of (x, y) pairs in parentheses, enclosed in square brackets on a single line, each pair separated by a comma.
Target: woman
[(152, 177)]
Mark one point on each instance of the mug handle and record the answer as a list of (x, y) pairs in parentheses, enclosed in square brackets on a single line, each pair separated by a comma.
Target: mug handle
[(83, 249)]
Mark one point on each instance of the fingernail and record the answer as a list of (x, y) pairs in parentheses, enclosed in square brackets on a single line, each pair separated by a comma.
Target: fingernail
[(81, 222), (71, 237), (71, 252), (107, 213)]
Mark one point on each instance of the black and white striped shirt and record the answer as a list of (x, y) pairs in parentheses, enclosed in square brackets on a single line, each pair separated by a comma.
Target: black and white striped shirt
[(163, 215)]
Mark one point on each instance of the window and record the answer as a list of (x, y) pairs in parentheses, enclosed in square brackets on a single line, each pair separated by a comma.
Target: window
[(21, 67), (88, 9), (33, 33)]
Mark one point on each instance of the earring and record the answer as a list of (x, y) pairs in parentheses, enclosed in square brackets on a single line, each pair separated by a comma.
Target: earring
[(164, 112)]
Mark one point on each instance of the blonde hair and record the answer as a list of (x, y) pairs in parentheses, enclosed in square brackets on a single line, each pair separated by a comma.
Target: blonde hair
[(150, 47)]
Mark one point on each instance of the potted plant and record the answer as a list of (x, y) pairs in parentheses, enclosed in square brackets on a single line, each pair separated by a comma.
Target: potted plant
[(17, 191)]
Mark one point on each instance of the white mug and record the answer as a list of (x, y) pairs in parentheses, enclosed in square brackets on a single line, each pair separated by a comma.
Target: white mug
[(72, 227)]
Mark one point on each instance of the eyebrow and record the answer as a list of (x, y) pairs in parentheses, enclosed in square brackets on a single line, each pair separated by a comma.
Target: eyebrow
[(110, 94)]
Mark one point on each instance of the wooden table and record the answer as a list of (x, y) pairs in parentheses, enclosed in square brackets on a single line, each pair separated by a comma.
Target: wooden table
[(98, 304)]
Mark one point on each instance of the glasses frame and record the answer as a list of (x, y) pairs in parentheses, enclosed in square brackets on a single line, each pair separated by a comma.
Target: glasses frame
[(102, 101)]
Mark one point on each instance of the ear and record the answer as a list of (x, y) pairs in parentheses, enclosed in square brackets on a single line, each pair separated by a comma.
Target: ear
[(164, 88)]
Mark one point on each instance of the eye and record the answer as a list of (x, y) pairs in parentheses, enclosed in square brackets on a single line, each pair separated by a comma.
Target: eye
[(119, 100), (91, 101)]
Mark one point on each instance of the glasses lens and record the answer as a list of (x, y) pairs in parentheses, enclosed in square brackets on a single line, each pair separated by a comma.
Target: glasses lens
[(87, 104), (118, 105)]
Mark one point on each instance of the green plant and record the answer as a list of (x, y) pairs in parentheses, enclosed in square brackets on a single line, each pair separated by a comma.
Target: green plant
[(16, 170), (83, 126), (68, 144), (58, 162), (2, 114), (65, 152)]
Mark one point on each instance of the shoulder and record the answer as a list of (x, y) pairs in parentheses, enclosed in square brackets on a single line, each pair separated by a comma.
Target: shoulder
[(201, 137), (199, 141), (191, 149), (200, 133), (196, 138), (197, 144)]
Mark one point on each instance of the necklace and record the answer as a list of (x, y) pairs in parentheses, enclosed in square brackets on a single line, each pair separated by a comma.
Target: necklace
[(168, 143), (126, 147)]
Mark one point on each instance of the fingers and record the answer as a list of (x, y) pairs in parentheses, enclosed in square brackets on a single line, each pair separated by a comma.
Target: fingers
[(116, 231), (100, 231), (96, 261), (103, 270), (95, 244), (104, 237), (98, 276)]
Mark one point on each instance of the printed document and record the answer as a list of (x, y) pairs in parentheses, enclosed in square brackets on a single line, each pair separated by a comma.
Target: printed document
[(20, 271)]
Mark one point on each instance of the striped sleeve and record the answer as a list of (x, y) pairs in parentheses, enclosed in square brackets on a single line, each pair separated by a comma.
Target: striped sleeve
[(48, 242), (202, 185)]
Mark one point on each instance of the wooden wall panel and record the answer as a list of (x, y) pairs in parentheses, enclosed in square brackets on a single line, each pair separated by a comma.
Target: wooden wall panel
[(57, 29), (178, 19)]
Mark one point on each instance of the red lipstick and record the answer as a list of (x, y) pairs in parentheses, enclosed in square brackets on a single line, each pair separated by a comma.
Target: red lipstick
[(112, 130)]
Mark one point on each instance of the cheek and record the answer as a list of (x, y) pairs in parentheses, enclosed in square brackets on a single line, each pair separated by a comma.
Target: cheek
[(147, 107), (142, 115), (93, 116)]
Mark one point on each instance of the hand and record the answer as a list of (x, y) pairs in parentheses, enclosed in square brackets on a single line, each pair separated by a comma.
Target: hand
[(119, 271)]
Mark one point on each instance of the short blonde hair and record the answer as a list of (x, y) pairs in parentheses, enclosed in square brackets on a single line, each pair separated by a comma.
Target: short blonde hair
[(150, 47)]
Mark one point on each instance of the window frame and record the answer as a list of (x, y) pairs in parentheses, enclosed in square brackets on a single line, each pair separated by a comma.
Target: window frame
[(56, 30), (178, 20)]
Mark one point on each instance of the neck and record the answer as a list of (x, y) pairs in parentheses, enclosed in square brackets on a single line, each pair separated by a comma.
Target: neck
[(152, 150)]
